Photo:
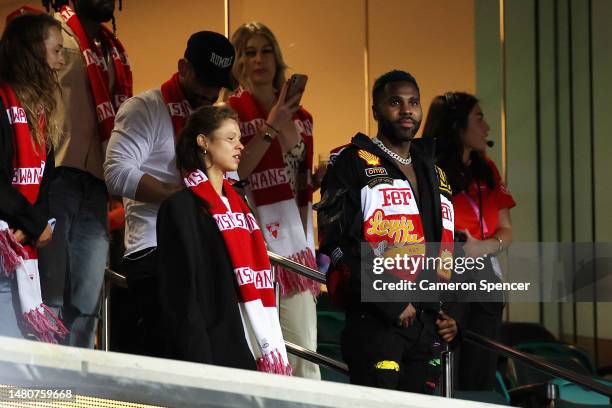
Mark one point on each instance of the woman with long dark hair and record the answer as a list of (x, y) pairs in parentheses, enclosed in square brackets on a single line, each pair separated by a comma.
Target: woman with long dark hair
[(216, 288), (278, 163), (30, 54), (482, 215)]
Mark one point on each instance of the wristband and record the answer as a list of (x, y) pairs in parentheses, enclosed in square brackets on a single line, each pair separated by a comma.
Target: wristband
[(272, 128)]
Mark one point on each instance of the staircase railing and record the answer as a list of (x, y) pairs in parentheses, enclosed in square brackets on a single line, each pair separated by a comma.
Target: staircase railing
[(447, 385), (537, 363)]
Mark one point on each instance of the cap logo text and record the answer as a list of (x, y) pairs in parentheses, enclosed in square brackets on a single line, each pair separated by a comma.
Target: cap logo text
[(221, 62)]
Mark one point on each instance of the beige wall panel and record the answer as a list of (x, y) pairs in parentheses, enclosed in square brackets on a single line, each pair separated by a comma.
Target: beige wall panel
[(431, 39), (155, 33), (9, 6), (325, 40)]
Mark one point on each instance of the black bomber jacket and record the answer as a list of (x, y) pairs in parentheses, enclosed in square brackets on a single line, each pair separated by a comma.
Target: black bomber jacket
[(340, 217)]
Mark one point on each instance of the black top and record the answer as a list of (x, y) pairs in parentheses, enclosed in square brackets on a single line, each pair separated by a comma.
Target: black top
[(14, 207), (197, 288)]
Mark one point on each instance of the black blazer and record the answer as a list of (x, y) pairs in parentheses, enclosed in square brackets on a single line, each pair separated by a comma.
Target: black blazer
[(197, 289)]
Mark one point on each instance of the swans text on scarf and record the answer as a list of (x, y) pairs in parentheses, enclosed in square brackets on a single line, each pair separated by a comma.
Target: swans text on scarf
[(16, 115), (28, 175), (231, 220), (268, 178), (251, 127), (261, 279)]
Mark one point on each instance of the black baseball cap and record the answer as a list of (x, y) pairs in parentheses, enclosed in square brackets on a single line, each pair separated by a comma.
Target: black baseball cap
[(212, 57)]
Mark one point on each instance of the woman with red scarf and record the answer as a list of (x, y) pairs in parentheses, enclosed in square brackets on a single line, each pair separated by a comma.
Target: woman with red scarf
[(277, 163), (482, 215), (215, 282), (30, 54)]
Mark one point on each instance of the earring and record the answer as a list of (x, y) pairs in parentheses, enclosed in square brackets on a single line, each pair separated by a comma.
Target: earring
[(204, 152)]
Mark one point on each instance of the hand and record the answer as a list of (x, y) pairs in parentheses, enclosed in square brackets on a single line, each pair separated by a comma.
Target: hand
[(19, 235), (407, 316), (283, 110), (281, 119), (475, 248), (45, 237), (447, 327), (471, 245)]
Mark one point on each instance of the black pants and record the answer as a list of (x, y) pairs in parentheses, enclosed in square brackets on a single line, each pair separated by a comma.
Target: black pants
[(140, 270), (383, 356), (477, 366)]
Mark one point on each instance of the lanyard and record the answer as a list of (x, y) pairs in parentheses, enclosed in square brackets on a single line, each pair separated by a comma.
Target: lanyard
[(477, 210)]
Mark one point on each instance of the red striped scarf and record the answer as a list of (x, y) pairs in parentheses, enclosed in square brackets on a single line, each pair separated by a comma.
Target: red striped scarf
[(21, 260), (178, 106), (247, 251), (278, 210), (97, 72)]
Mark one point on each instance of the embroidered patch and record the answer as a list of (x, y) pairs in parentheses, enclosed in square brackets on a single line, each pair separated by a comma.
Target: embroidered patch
[(444, 269), (375, 171), (387, 365), (380, 180), (395, 229), (336, 255), (443, 182), (370, 159)]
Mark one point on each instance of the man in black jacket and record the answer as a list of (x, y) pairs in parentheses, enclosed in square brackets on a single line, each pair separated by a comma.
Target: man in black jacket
[(386, 192)]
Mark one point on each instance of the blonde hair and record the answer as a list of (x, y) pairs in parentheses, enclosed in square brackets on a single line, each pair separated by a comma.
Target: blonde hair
[(241, 37)]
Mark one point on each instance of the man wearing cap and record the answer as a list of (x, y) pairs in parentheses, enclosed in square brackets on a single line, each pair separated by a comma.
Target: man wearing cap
[(140, 163)]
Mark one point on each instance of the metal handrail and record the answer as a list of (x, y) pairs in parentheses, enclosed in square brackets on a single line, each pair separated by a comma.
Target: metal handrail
[(479, 340), (296, 267), (115, 278), (537, 363), (316, 358)]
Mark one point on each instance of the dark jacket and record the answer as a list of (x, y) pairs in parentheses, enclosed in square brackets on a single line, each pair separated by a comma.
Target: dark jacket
[(14, 207), (340, 217), (197, 289)]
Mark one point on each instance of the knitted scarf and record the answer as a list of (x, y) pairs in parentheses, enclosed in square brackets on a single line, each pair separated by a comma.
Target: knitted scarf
[(247, 251), (278, 210), (97, 72), (178, 106), (21, 260)]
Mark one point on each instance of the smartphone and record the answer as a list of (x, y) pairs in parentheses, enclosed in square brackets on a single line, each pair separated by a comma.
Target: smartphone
[(296, 84)]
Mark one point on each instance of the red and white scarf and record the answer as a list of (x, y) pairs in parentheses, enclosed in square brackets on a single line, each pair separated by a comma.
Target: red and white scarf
[(21, 260), (283, 215), (178, 106), (247, 251), (97, 72)]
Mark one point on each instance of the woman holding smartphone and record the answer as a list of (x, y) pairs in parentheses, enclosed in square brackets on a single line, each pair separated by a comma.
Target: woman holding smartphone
[(482, 215), (30, 53), (277, 162), (216, 291)]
